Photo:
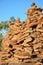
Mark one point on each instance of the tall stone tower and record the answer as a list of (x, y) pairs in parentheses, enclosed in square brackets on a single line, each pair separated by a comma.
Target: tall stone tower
[(24, 40)]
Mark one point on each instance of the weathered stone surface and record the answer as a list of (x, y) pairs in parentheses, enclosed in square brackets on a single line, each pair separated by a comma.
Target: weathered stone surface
[(24, 40), (20, 54)]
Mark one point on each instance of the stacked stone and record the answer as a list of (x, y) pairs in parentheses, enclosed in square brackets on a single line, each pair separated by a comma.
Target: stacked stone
[(24, 40)]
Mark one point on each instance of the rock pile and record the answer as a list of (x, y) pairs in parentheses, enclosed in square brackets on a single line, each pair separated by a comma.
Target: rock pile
[(24, 40)]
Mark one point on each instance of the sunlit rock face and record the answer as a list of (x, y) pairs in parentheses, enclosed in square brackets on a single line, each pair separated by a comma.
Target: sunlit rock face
[(24, 40)]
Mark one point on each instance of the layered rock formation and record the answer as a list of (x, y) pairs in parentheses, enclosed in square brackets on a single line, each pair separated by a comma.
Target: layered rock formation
[(24, 40)]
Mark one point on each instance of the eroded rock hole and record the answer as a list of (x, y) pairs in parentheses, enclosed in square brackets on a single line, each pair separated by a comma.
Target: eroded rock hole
[(12, 50), (10, 56), (22, 60), (32, 39), (20, 42), (41, 60), (33, 27), (34, 56), (10, 46)]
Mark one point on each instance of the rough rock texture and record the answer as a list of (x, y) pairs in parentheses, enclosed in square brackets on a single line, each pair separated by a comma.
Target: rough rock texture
[(24, 40)]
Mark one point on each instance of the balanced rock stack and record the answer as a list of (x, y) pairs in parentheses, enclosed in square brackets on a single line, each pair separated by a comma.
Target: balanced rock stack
[(24, 40)]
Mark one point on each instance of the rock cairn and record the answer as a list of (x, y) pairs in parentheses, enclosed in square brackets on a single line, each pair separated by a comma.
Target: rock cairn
[(24, 40)]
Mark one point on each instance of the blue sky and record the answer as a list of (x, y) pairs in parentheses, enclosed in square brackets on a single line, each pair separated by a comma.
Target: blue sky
[(16, 8)]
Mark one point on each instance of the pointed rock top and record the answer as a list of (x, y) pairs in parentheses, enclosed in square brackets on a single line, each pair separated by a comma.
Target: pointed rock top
[(33, 9), (33, 4), (18, 19)]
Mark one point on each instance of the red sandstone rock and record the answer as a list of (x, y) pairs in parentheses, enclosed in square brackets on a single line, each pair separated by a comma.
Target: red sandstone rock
[(24, 40)]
